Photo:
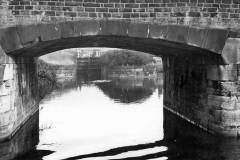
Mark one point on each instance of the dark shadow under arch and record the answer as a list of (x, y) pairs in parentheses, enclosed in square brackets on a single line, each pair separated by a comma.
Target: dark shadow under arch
[(152, 46)]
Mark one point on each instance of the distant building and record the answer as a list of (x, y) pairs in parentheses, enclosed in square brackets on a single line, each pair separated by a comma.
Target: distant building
[(89, 53), (158, 60)]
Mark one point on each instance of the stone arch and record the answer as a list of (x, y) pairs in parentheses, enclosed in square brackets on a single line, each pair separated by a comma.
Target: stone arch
[(20, 38), (217, 46)]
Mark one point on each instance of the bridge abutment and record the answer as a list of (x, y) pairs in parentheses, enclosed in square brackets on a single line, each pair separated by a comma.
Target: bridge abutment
[(18, 93), (203, 94)]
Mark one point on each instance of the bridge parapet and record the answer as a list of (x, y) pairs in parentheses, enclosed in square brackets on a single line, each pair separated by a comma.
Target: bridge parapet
[(218, 13)]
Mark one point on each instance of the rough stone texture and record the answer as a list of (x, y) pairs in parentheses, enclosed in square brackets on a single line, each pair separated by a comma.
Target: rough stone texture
[(18, 93), (25, 37), (206, 95)]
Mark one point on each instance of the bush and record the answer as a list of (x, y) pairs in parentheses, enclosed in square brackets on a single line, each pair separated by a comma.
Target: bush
[(125, 57), (46, 78)]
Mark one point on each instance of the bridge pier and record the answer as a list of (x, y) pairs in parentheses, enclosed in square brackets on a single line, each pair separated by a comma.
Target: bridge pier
[(18, 93), (203, 94)]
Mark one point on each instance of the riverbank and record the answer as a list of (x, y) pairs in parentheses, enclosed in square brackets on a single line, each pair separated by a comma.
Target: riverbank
[(46, 78), (151, 71)]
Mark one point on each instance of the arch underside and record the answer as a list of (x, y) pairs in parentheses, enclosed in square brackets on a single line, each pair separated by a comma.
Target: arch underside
[(160, 40), (152, 46), (155, 47)]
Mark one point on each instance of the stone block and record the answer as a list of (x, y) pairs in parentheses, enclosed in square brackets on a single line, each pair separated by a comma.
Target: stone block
[(2, 68), (224, 88), (5, 118), (3, 56), (5, 103), (86, 28), (28, 34), (67, 29), (227, 118), (9, 39), (231, 51), (117, 28), (234, 33), (49, 31), (178, 33), (222, 72), (196, 36), (8, 72), (222, 102), (139, 30), (5, 88), (158, 31), (215, 40)]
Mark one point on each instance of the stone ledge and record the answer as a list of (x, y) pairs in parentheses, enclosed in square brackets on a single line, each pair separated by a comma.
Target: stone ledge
[(211, 39), (231, 51)]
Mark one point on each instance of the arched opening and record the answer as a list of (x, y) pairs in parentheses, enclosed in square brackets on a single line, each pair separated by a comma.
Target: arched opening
[(185, 67)]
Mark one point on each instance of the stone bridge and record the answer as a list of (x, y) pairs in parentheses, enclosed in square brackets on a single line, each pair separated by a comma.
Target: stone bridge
[(197, 39)]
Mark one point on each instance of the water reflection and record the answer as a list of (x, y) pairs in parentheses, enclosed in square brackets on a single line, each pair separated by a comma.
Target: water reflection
[(96, 123), (190, 142), (88, 119), (129, 90)]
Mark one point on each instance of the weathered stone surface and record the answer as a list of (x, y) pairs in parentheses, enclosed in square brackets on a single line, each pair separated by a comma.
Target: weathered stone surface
[(158, 31), (49, 31), (210, 104), (86, 28), (222, 72), (6, 118), (178, 33), (28, 34), (18, 95), (215, 40), (223, 102), (5, 103), (8, 72), (3, 56), (67, 29), (2, 68), (224, 88), (231, 51), (9, 39), (118, 28), (139, 30), (187, 37), (227, 118), (196, 36), (5, 88)]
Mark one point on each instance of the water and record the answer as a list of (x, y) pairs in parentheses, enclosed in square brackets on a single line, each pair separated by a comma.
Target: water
[(86, 120), (121, 119)]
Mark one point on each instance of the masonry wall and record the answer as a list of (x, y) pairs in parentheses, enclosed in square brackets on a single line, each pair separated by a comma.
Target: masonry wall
[(220, 13), (18, 93), (203, 93)]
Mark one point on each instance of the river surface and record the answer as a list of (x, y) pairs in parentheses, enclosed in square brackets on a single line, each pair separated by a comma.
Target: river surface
[(117, 119)]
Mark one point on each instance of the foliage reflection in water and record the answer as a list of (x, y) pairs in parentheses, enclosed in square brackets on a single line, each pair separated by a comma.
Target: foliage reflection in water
[(84, 119)]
